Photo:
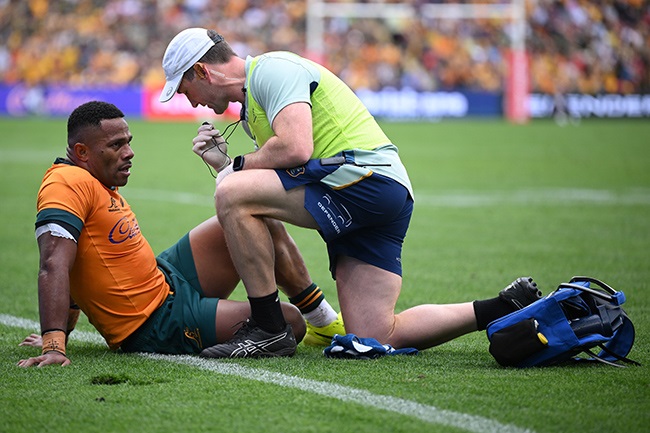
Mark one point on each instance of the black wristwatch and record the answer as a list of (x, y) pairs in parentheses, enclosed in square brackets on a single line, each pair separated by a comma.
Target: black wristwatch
[(238, 163)]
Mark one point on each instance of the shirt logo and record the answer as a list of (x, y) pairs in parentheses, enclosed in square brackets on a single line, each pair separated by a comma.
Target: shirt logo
[(123, 230), (113, 207)]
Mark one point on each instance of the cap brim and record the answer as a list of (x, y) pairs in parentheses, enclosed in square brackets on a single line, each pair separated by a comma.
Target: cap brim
[(171, 86)]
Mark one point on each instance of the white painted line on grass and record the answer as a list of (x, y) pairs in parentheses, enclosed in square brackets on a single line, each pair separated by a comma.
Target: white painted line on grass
[(535, 196), (28, 156), (429, 414), (166, 196), (30, 325), (452, 199)]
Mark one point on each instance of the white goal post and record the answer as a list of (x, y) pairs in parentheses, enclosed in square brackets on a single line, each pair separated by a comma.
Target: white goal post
[(517, 81)]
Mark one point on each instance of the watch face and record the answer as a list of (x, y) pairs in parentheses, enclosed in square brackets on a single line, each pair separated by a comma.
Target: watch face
[(238, 163)]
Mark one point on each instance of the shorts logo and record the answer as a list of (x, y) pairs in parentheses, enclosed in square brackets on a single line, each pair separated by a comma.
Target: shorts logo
[(296, 171), (337, 216), (194, 335)]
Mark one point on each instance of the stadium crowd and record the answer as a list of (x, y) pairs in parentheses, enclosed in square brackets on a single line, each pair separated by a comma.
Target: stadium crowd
[(585, 46)]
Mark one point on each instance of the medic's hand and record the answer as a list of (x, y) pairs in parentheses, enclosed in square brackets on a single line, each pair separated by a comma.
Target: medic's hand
[(211, 147)]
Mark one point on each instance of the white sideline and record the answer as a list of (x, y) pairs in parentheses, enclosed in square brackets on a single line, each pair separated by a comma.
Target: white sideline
[(452, 199), (32, 326), (429, 414)]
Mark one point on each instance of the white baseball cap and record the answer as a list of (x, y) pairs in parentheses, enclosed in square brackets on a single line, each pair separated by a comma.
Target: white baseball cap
[(181, 54)]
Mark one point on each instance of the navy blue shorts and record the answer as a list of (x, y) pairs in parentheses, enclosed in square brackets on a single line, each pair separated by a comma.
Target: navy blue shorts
[(366, 219)]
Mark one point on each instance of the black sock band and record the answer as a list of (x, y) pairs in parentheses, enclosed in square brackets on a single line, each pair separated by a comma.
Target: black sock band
[(266, 312), (309, 299), (490, 309)]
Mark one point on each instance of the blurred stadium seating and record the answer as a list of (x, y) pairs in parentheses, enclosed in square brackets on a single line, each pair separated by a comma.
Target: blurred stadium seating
[(581, 46)]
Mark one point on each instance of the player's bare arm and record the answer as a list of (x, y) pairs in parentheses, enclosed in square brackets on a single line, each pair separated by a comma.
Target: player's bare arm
[(57, 256)]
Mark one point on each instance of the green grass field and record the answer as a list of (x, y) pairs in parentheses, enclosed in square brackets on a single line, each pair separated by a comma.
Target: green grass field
[(494, 201)]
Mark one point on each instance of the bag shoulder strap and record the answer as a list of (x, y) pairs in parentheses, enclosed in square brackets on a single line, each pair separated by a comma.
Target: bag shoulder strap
[(598, 358)]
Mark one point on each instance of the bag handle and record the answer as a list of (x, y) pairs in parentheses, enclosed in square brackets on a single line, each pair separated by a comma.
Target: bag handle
[(607, 293), (599, 283), (610, 295)]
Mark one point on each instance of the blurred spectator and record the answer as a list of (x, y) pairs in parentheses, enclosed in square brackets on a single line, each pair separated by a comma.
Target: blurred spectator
[(586, 46)]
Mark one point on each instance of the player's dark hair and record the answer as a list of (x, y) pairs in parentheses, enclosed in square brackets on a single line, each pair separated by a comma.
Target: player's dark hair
[(221, 52), (90, 114)]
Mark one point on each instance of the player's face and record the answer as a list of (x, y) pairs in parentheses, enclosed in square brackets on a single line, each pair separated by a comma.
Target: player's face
[(110, 152)]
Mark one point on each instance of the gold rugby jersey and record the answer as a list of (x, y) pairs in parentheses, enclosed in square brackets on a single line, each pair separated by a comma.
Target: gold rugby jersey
[(115, 279)]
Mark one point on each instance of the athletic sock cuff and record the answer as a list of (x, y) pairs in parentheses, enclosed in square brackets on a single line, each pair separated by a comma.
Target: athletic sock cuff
[(266, 311), (489, 310), (309, 299)]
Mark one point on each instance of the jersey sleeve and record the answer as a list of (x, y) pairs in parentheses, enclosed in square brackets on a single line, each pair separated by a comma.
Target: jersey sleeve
[(281, 79), (65, 199), (65, 219)]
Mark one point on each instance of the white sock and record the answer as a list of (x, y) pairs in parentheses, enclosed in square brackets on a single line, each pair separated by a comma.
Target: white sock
[(322, 315)]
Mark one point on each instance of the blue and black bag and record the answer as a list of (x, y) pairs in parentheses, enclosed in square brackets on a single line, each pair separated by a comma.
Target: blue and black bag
[(570, 321)]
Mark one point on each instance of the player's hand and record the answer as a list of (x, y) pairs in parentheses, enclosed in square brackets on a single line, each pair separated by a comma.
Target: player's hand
[(211, 147), (34, 340), (49, 358)]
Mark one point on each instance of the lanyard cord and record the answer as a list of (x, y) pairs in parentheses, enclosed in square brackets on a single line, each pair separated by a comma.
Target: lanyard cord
[(226, 135)]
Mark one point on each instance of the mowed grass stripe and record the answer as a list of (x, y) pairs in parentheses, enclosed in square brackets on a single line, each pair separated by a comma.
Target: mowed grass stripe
[(426, 413)]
